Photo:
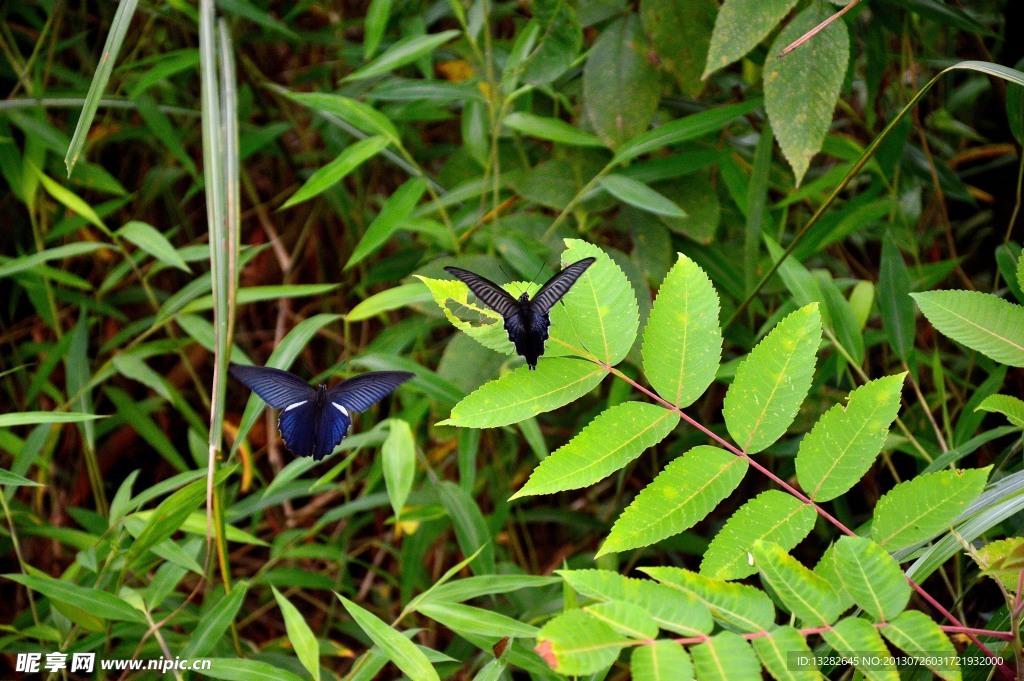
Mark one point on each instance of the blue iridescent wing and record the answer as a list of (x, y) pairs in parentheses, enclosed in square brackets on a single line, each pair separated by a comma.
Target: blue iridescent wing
[(279, 389), (359, 393), (298, 425), (333, 422), (558, 285), (492, 295)]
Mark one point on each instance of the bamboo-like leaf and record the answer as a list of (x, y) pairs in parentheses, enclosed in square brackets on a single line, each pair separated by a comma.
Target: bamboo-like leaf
[(70, 200), (394, 645), (390, 299), (14, 480), (857, 638), (894, 300), (576, 643), (552, 129), (398, 455), (613, 439), (625, 618), (775, 651), (639, 195), (302, 638), (118, 29), (393, 215), (31, 418), (661, 661), (240, 669), (844, 442), (683, 339), (872, 577), (770, 516), (918, 509), (153, 242), (738, 606), (215, 622), (348, 160), (361, 115), (739, 26), (807, 595), (683, 494), (523, 393), (470, 526), (672, 609), (1009, 406), (916, 634), (376, 21), (92, 600), (772, 382), (12, 266), (405, 51), (466, 618), (992, 326), (725, 656)]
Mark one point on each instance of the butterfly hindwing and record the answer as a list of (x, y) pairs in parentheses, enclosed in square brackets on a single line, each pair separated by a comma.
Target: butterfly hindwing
[(278, 388), (298, 425), (492, 295), (333, 423), (557, 286), (359, 393)]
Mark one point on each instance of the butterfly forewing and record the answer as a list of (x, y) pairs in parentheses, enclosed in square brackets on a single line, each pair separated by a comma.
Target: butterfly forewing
[(492, 295), (279, 389), (558, 285), (359, 393)]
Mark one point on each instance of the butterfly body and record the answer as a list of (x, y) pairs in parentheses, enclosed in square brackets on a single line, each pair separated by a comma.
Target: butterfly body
[(314, 421), (526, 320)]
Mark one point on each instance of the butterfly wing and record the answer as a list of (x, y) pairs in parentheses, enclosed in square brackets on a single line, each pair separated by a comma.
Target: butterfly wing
[(558, 285), (298, 427), (333, 422), (492, 295), (359, 393), (279, 389)]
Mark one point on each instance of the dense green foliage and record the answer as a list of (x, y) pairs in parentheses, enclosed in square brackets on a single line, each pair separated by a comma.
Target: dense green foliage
[(743, 443)]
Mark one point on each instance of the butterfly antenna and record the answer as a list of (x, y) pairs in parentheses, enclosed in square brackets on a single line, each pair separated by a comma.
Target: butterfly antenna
[(507, 276)]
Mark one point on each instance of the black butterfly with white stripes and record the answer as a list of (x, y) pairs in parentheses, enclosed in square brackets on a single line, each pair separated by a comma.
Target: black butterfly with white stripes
[(315, 420), (526, 320)]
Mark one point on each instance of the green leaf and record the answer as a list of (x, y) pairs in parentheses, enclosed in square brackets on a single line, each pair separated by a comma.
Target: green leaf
[(772, 516), (872, 577), (625, 618), (680, 34), (237, 669), (915, 633), (802, 88), (167, 517), (470, 526), (399, 462), (348, 160), (737, 605), (466, 618), (214, 622), (307, 648), (740, 26), (153, 242), (805, 594), (385, 301), (405, 51), (31, 418), (259, 294), (1009, 406), (22, 263), (373, 27), (70, 200), (92, 600), (855, 637), (613, 439), (672, 609), (359, 114), (725, 656), (561, 38), (552, 129), (394, 214), (918, 509), (400, 650), (15, 480), (522, 393), (844, 442), (576, 643), (683, 494), (894, 300), (683, 339), (639, 195), (620, 86), (992, 326), (476, 320), (773, 380), (605, 315), (661, 661), (775, 651)]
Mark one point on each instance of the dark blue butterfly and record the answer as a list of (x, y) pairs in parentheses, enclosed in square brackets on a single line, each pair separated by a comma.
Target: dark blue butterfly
[(315, 420), (526, 320)]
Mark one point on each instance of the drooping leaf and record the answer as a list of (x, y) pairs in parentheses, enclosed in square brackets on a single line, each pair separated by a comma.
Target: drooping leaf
[(577, 643), (680, 34), (918, 509), (844, 442), (683, 339), (894, 300), (400, 650), (725, 656), (561, 38), (30, 418), (856, 638), (398, 454), (614, 438), (215, 622), (772, 382), (802, 88), (771, 516), (404, 51), (390, 299), (981, 321), (737, 605), (916, 634), (739, 26), (661, 661), (241, 669), (393, 215), (552, 129), (639, 195), (872, 577), (92, 600), (470, 526), (329, 175), (353, 111), (683, 494), (12, 266), (776, 650), (466, 618), (808, 596), (153, 242)]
